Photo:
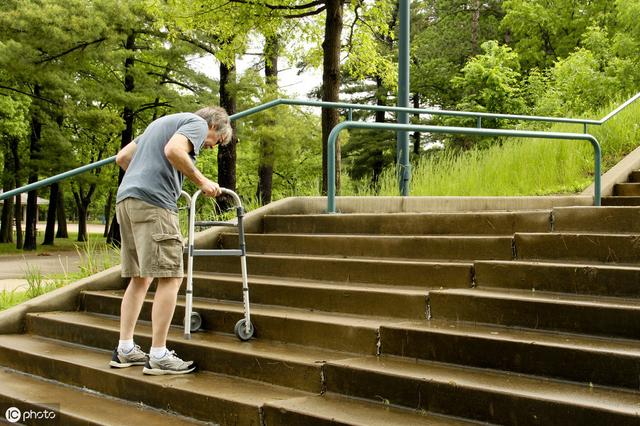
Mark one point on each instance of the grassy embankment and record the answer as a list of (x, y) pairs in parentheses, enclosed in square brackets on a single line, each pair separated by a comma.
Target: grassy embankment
[(523, 166)]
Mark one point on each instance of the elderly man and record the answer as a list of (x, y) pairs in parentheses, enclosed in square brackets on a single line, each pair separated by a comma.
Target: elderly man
[(155, 164)]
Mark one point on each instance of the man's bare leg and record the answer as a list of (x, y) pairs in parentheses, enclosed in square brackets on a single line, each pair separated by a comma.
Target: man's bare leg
[(132, 305), (164, 305)]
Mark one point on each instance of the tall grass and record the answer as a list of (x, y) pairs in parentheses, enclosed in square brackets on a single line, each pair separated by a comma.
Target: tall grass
[(94, 257), (520, 166)]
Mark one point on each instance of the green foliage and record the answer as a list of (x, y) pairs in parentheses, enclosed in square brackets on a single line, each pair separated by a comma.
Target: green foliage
[(518, 167), (543, 31), (491, 82)]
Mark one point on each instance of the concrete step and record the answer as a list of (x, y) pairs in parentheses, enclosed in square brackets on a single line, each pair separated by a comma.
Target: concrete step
[(73, 406), (608, 362), (572, 278), (334, 409), (340, 332), (594, 315), (382, 246), (292, 366), (456, 223), (620, 200), (350, 298), (483, 395), (589, 247), (628, 189), (634, 176), (339, 269), (205, 396), (612, 220)]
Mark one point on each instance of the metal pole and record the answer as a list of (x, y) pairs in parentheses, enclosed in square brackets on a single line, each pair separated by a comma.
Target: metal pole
[(404, 166)]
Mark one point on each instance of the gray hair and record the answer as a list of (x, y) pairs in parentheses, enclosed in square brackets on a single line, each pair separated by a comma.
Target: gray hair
[(218, 119)]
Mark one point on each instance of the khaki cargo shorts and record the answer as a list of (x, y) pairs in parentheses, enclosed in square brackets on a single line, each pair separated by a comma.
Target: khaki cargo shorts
[(151, 240)]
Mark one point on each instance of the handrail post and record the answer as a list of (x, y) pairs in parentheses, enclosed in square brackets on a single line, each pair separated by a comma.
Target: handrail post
[(350, 114), (404, 17), (479, 122)]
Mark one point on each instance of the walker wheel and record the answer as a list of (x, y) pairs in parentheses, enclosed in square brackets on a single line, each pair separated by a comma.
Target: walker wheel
[(241, 330), (196, 321)]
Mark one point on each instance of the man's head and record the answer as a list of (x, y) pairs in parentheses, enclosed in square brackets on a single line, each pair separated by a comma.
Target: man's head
[(219, 125)]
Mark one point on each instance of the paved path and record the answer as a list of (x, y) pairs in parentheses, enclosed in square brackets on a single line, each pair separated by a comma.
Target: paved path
[(14, 267)]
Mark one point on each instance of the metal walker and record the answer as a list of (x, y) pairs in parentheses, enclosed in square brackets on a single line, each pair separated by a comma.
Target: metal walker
[(192, 320)]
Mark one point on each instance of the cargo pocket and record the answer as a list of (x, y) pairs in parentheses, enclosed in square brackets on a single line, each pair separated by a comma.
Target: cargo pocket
[(168, 250)]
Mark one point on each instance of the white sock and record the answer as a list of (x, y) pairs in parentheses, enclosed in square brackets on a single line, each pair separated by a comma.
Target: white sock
[(125, 346), (158, 353)]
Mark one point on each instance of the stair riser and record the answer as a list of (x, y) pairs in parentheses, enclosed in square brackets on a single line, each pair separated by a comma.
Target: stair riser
[(627, 189), (126, 386), (572, 247), (290, 330), (362, 271), (279, 416), (408, 248), (328, 300), (620, 201), (250, 366), (597, 219), (425, 224), (594, 320), (559, 278), (521, 357), (634, 176), (458, 400)]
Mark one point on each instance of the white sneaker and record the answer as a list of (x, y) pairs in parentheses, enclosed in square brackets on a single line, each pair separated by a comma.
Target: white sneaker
[(127, 359), (168, 364)]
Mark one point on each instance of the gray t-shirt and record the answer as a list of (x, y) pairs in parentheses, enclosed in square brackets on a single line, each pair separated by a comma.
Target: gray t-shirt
[(150, 177)]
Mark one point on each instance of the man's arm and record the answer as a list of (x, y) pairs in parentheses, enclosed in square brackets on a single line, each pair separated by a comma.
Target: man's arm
[(126, 154), (177, 152)]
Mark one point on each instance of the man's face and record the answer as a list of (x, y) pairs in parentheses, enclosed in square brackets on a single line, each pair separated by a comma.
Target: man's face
[(213, 138)]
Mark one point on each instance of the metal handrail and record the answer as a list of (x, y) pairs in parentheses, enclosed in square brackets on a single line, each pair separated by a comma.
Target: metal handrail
[(331, 148), (338, 105)]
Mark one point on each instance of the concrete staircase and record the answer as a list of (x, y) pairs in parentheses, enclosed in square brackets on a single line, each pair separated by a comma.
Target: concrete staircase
[(518, 318), (626, 193)]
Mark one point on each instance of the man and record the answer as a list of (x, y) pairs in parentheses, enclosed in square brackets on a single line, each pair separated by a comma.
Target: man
[(146, 208)]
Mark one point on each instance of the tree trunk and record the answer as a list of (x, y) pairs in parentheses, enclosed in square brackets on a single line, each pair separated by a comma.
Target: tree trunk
[(416, 134), (18, 203), (18, 216), (8, 182), (377, 153), (32, 198), (227, 154), (62, 217), (265, 167), (127, 134), (6, 229), (331, 47), (49, 232), (82, 209), (107, 213), (475, 27)]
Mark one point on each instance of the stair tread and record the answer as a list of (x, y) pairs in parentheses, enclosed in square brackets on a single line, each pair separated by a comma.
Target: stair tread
[(583, 342), (548, 297), (425, 237), (303, 283), (344, 410), (613, 400), (80, 404), (449, 262), (351, 320), (219, 386), (414, 214), (257, 347), (566, 264)]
